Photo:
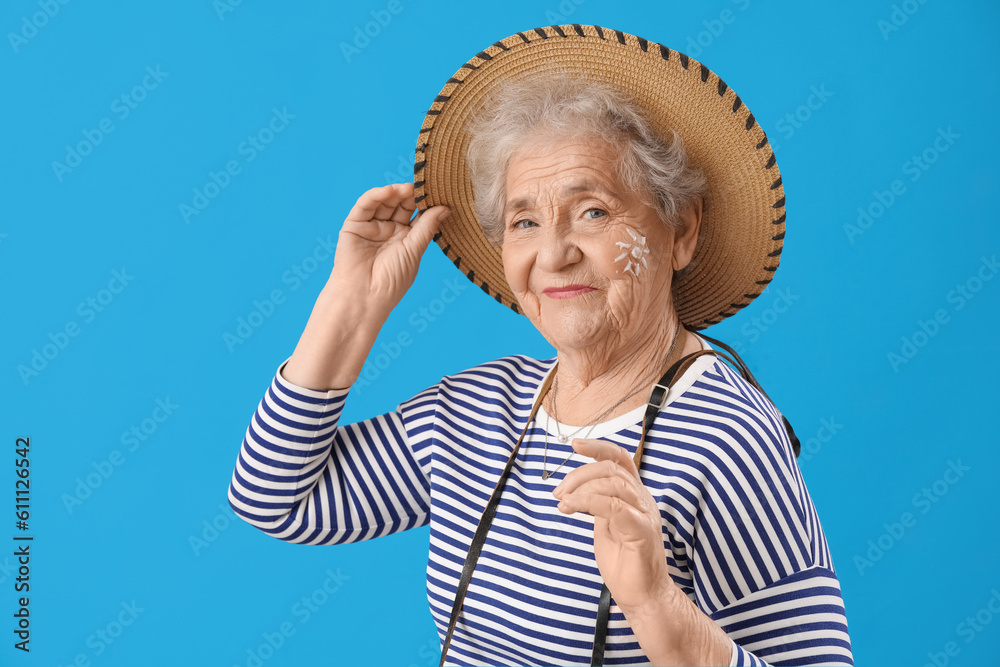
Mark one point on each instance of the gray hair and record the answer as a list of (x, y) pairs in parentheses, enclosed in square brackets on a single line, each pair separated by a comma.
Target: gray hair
[(560, 105)]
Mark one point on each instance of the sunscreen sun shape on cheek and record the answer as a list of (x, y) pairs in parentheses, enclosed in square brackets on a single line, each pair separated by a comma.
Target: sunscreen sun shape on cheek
[(633, 254)]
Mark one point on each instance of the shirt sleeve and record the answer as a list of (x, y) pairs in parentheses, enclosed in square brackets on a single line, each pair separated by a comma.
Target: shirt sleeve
[(303, 478), (760, 563)]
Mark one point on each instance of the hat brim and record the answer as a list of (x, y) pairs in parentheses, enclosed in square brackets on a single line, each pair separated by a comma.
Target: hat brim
[(743, 223)]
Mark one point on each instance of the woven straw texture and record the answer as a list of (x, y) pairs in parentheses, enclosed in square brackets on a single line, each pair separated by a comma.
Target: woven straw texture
[(743, 223)]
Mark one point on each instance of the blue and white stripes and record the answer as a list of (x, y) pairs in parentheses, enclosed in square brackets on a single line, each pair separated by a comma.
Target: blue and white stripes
[(742, 537)]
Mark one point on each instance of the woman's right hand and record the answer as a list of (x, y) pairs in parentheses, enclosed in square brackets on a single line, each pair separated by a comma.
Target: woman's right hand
[(379, 247)]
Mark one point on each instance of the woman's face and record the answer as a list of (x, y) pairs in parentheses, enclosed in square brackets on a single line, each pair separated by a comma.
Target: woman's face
[(589, 263)]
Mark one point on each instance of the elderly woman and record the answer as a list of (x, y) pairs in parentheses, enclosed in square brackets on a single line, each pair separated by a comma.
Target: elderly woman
[(577, 513)]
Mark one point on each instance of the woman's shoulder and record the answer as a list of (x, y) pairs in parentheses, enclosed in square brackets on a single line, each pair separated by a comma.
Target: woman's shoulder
[(729, 408)]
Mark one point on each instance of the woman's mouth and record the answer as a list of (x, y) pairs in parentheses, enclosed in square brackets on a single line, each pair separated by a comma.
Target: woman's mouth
[(567, 292)]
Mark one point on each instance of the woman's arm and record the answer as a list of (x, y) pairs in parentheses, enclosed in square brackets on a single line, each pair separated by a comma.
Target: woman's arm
[(298, 476), (302, 478)]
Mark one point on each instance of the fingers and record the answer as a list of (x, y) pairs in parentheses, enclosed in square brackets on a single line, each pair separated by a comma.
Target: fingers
[(424, 227), (393, 202), (602, 450), (621, 514)]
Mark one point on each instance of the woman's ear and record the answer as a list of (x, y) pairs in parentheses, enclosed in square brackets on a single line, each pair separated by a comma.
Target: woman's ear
[(687, 236)]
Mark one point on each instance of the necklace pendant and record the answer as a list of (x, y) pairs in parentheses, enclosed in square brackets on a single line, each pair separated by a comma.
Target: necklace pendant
[(546, 474), (563, 438)]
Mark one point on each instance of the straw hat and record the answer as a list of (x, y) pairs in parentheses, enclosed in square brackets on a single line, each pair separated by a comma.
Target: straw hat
[(743, 224)]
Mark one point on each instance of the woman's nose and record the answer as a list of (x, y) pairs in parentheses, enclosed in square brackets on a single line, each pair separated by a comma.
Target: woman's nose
[(559, 248)]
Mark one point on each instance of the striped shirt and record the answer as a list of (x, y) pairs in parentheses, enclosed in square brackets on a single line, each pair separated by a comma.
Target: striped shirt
[(741, 535)]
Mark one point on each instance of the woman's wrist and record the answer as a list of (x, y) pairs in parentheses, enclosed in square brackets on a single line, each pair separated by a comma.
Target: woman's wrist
[(672, 630), (336, 341)]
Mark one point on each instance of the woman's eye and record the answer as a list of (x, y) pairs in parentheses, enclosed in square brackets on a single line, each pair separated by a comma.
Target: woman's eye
[(601, 211), (527, 222)]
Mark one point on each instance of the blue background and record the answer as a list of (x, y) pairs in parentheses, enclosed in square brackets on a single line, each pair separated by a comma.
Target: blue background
[(819, 339)]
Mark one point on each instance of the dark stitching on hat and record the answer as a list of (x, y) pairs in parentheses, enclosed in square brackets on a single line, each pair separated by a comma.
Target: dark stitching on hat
[(775, 253), (454, 80), (526, 40), (776, 183), (704, 74), (621, 36), (513, 307), (418, 166), (749, 121), (484, 56), (433, 112), (664, 52), (418, 184), (446, 249), (438, 235), (558, 30), (738, 306), (470, 66), (684, 61), (737, 103), (541, 33), (486, 288), (442, 98), (762, 142), (778, 237), (457, 260), (600, 32), (779, 220), (724, 314), (499, 300), (500, 44), (779, 203), (770, 162), (711, 322), (643, 44), (751, 296), (579, 29), (772, 269), (422, 147), (722, 87), (764, 282), (426, 129), (420, 198), (471, 274)]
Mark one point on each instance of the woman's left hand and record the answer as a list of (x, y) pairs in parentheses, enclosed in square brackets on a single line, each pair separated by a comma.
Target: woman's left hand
[(628, 530)]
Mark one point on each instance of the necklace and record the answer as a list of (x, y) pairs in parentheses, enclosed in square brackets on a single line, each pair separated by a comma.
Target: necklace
[(563, 438)]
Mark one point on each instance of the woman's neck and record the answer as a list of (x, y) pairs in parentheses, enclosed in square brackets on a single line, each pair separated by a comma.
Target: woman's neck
[(590, 381)]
